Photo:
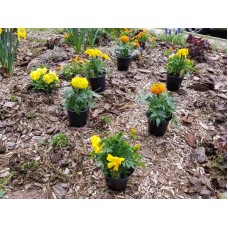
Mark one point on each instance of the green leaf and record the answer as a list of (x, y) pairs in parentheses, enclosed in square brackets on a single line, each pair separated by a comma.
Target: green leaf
[(2, 193)]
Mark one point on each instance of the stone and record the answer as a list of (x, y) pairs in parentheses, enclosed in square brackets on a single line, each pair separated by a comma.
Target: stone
[(199, 155), (48, 58)]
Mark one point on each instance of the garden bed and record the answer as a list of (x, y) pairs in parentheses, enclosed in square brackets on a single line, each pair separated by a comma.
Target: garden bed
[(28, 121)]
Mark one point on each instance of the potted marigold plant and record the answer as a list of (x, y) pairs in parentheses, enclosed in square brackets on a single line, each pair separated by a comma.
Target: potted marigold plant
[(124, 51), (78, 100), (96, 69), (117, 158), (177, 68), (44, 80), (161, 108)]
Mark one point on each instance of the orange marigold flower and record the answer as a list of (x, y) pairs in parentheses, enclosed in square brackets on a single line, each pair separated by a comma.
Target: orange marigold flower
[(170, 48), (157, 88), (60, 67), (124, 39)]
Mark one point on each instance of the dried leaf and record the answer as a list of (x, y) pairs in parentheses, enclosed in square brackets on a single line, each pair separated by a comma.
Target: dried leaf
[(191, 139)]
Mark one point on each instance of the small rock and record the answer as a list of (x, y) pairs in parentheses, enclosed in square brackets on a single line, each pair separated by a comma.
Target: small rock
[(59, 190), (9, 104), (199, 155), (196, 78), (53, 118), (4, 174), (144, 71), (210, 70), (56, 157), (66, 171), (205, 193), (50, 130)]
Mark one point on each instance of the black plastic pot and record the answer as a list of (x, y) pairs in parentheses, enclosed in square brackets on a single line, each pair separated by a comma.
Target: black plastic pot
[(97, 84), (173, 83), (123, 63), (160, 130), (78, 120), (117, 184)]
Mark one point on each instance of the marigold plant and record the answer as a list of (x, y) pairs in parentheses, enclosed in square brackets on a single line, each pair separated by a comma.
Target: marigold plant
[(79, 97), (125, 47), (44, 80), (96, 66), (76, 66), (115, 155), (161, 106), (179, 64), (9, 41)]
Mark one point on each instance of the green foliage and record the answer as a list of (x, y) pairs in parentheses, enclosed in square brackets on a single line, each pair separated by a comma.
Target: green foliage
[(106, 118), (117, 146), (76, 38), (29, 165), (60, 140), (96, 67), (31, 115), (160, 107), (8, 48), (178, 39), (73, 68), (92, 34), (77, 100), (178, 67), (3, 182), (124, 50), (13, 98)]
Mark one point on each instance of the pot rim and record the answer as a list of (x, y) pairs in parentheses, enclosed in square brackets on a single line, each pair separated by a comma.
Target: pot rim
[(132, 171), (85, 110), (123, 57), (102, 76), (172, 76)]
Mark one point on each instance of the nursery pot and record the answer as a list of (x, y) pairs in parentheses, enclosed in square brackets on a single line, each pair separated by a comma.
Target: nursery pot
[(97, 84), (123, 63), (173, 83), (78, 120), (158, 130), (117, 184)]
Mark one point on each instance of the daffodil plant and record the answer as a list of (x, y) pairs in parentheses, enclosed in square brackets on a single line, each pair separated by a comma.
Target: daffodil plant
[(43, 79), (9, 41), (115, 155)]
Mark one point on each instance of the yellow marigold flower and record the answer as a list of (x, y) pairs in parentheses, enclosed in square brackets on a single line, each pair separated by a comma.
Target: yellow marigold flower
[(48, 78), (182, 52), (104, 56), (79, 83), (35, 75), (89, 52), (1, 30), (170, 48), (137, 44), (153, 39), (96, 53), (67, 35), (53, 74), (137, 146), (21, 32), (42, 70), (114, 162), (96, 143), (124, 39), (157, 88), (133, 131)]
